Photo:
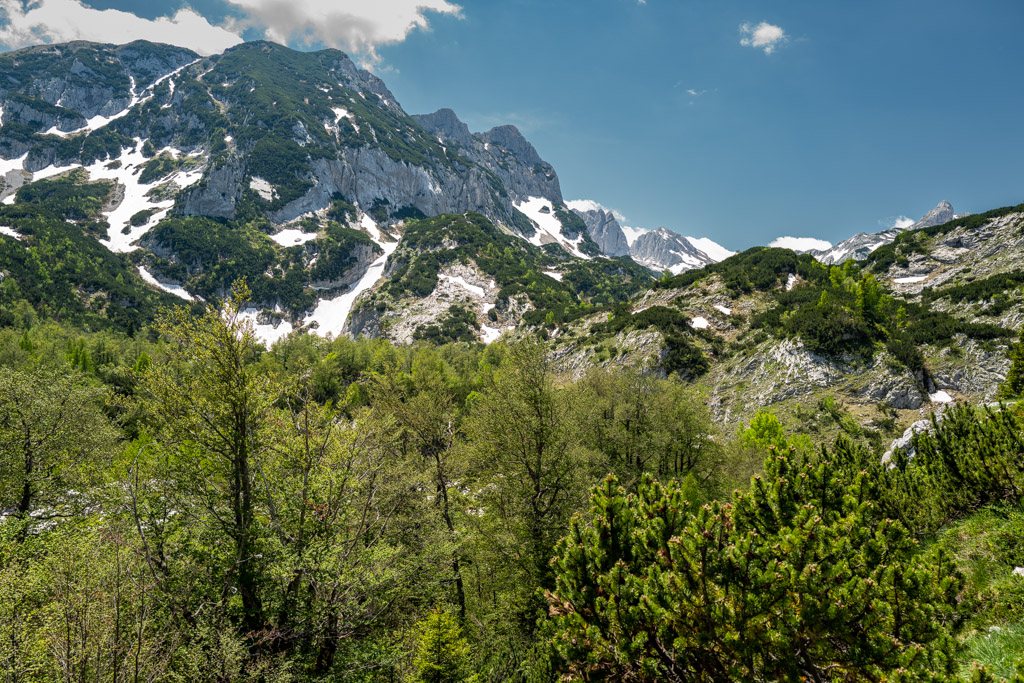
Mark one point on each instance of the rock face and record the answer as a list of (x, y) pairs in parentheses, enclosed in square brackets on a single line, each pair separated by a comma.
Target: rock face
[(605, 230), (663, 249), (501, 151), (860, 245)]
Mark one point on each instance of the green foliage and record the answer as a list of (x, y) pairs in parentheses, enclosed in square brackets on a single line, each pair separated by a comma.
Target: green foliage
[(442, 654), (649, 589), (970, 460), (459, 324), (52, 433), (911, 242), (69, 197), (1013, 385), (516, 266), (683, 356), (58, 271), (756, 269)]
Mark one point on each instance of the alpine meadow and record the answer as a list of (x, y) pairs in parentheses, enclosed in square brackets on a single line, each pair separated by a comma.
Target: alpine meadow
[(297, 386)]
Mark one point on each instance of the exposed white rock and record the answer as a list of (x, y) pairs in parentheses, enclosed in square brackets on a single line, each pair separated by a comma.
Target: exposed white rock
[(263, 188), (475, 290)]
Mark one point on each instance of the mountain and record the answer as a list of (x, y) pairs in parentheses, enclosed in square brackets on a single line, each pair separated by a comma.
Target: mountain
[(298, 171), (658, 250), (862, 244)]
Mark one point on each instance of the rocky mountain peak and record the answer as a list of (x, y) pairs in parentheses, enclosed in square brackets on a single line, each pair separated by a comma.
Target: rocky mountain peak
[(445, 124), (509, 137), (942, 213), (603, 227)]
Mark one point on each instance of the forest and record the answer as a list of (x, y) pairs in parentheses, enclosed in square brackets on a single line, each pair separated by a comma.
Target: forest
[(185, 504)]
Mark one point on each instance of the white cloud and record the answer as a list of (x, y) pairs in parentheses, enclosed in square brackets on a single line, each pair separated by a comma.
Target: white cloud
[(764, 35), (801, 243), (903, 222), (591, 205), (359, 26), (56, 21)]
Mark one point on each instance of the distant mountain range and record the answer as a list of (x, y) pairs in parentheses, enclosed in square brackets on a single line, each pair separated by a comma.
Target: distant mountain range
[(302, 173)]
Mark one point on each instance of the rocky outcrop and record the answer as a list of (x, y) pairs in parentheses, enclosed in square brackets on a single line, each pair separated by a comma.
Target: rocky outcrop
[(605, 230), (218, 193), (366, 175), (942, 213)]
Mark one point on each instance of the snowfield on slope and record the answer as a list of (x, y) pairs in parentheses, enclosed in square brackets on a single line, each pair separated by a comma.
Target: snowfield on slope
[(542, 213), (800, 244), (122, 235), (330, 315), (176, 290)]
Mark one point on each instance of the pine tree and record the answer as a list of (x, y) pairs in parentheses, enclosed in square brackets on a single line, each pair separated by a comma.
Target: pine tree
[(442, 653), (1013, 386), (796, 580)]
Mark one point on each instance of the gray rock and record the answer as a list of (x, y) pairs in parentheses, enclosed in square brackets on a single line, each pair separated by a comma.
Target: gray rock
[(218, 193), (502, 151), (905, 442), (605, 230)]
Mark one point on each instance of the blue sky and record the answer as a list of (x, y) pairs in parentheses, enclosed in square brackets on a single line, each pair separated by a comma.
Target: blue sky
[(860, 113)]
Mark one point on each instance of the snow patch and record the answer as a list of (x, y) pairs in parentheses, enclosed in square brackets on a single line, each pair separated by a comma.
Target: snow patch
[(723, 309), (553, 274), (17, 164), (489, 335), (176, 290), (268, 334), (940, 397), (713, 249), (331, 314), (801, 243), (910, 280), (10, 232), (550, 228), (292, 236), (370, 227), (790, 282), (699, 323)]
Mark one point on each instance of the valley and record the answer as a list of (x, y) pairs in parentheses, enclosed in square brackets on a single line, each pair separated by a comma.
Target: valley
[(295, 385)]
